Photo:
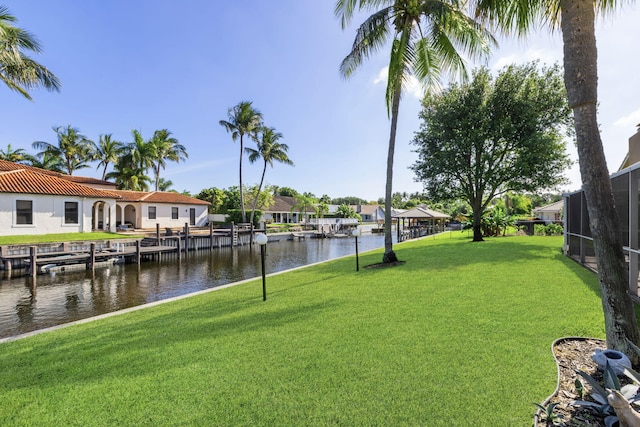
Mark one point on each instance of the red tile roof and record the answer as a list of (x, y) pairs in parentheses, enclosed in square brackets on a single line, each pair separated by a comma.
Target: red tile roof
[(88, 180), (157, 197), (18, 178), (27, 181), (6, 165)]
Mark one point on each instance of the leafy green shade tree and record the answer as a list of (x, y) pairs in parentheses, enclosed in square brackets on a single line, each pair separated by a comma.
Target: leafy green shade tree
[(165, 147), (75, 149), (17, 70), (426, 38), (106, 152), (243, 120), (214, 196), (576, 18), (269, 149), (482, 139)]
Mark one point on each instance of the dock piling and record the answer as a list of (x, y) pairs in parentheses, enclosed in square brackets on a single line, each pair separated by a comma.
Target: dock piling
[(33, 255), (92, 257)]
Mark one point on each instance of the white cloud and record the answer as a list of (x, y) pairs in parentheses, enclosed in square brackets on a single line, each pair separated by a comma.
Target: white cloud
[(544, 56), (413, 86), (382, 76), (629, 119)]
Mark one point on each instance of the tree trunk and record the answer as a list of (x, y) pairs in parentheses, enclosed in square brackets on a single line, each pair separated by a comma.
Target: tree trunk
[(244, 215), (389, 255), (255, 201), (476, 209), (581, 77)]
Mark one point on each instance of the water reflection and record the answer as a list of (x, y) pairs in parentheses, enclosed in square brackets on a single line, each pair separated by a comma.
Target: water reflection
[(28, 304)]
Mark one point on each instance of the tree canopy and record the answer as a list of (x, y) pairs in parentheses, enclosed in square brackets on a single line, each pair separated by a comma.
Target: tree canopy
[(492, 135)]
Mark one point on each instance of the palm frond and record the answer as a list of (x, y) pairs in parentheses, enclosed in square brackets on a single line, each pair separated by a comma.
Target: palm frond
[(371, 36)]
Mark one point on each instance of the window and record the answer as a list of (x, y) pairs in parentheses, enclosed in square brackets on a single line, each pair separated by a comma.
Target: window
[(24, 212), (152, 212), (70, 212), (174, 213)]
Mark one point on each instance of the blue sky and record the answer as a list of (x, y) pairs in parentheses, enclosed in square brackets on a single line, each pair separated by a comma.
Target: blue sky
[(156, 64)]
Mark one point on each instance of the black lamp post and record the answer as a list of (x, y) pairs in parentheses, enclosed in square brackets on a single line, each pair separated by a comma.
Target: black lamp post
[(261, 239), (355, 233)]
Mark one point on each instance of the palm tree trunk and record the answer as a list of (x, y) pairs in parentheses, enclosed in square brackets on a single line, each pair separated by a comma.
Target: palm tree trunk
[(389, 255), (244, 215), (580, 64), (255, 201)]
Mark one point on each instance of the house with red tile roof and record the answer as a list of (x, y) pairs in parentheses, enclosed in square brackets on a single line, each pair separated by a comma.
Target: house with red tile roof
[(34, 201), (173, 210), (38, 201)]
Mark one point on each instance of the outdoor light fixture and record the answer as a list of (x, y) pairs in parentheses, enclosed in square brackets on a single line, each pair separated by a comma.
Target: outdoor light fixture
[(261, 239), (355, 233)]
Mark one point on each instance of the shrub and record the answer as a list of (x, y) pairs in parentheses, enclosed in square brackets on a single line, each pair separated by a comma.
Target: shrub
[(553, 229), (539, 229), (548, 230)]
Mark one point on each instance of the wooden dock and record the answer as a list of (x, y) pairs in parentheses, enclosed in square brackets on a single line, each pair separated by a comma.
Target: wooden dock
[(44, 257), (42, 261)]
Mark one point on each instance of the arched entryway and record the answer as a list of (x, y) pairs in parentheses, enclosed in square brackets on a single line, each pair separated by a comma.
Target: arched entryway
[(101, 216), (126, 215)]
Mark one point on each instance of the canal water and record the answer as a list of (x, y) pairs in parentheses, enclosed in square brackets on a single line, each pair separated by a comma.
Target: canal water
[(67, 296)]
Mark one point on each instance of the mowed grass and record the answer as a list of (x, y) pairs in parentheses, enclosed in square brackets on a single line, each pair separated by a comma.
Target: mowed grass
[(460, 335), (63, 237)]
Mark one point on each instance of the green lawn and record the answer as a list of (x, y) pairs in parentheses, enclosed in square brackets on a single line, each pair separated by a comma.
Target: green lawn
[(65, 237), (458, 336)]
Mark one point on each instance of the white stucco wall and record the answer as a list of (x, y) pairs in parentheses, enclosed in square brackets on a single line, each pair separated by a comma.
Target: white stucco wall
[(163, 215), (48, 214)]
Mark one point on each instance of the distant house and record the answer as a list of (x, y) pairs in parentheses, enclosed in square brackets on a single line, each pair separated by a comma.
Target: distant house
[(283, 210), (551, 212), (370, 213), (38, 201)]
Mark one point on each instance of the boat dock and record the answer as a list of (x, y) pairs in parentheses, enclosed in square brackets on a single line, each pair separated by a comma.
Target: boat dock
[(43, 257)]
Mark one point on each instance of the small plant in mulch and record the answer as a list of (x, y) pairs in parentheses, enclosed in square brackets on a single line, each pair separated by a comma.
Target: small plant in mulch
[(600, 394)]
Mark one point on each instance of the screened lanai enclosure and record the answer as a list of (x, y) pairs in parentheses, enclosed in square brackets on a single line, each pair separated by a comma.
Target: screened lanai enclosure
[(578, 243)]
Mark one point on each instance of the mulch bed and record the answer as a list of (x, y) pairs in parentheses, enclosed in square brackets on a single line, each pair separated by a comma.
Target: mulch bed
[(572, 354)]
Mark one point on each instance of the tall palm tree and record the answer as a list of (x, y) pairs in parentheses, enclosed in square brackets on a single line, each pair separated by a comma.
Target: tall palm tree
[(269, 150), (243, 119), (165, 148), (17, 156), (46, 160), (576, 18), (107, 151), (18, 71), (164, 184), (426, 37), (130, 171), (75, 149)]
